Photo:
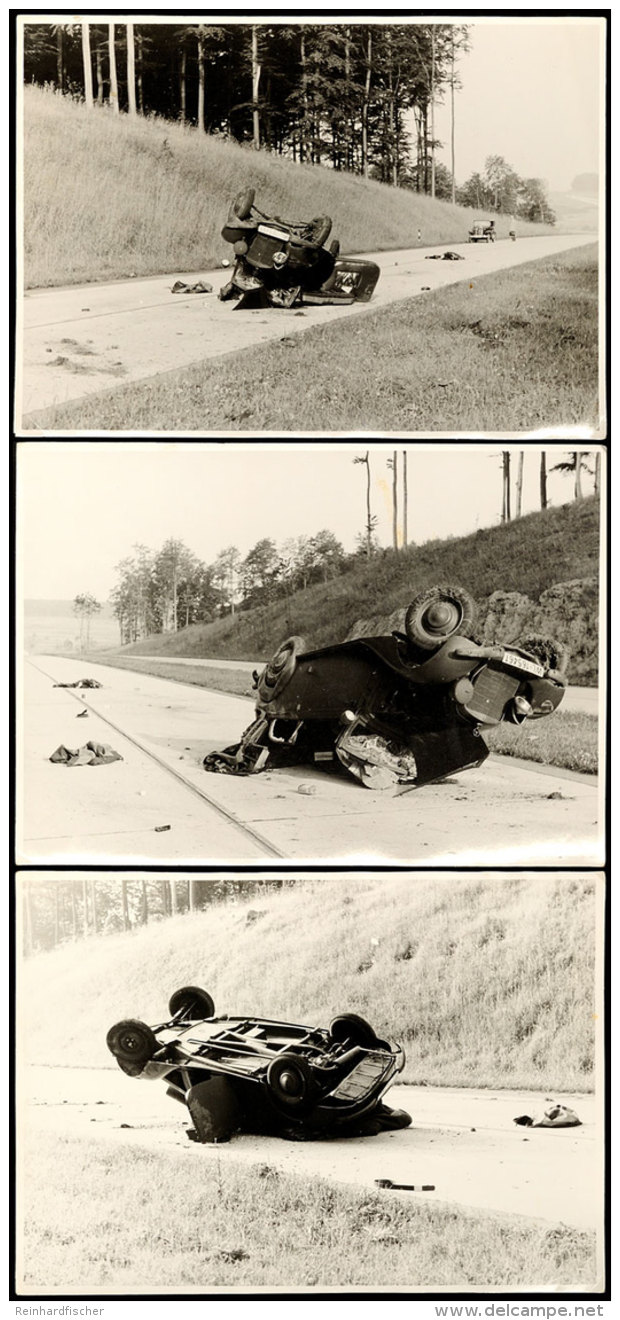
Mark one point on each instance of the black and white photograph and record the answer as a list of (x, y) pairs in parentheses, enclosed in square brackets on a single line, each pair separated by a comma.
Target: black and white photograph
[(376, 1082), (321, 653), (428, 197)]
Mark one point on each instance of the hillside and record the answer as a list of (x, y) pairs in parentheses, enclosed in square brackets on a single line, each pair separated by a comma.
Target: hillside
[(528, 556), (108, 197), (487, 980)]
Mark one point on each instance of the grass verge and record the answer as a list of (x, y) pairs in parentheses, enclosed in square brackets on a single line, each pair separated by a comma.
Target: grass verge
[(568, 740), (132, 1220), (517, 351), (486, 980)]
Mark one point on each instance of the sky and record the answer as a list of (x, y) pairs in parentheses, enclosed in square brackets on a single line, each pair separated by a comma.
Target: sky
[(81, 507), (531, 92)]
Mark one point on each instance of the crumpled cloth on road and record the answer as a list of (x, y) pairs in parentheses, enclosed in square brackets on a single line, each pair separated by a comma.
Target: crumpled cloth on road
[(200, 287), (92, 753), (554, 1116), (447, 256), (81, 683)]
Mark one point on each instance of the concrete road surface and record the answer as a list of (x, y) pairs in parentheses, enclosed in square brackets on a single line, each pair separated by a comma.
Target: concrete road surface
[(81, 340), (463, 1142), (501, 814)]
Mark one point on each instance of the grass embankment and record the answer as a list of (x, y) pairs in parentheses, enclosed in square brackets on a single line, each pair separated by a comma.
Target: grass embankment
[(528, 556), (514, 351), (568, 739), (108, 197), (487, 981), (95, 1219)]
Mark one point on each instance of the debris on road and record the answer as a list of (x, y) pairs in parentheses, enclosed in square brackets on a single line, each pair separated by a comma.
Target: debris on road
[(404, 1187), (445, 256), (554, 1116), (93, 753), (201, 286), (81, 683), (161, 829)]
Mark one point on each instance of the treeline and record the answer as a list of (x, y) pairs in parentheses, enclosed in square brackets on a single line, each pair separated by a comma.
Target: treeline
[(162, 591), (56, 912), (357, 97), (500, 189)]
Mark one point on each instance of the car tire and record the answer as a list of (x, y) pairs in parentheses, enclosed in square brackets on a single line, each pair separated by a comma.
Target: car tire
[(437, 614), (350, 1027), (319, 230), (291, 1083), (243, 203), (192, 1003), (280, 669), (133, 1044)]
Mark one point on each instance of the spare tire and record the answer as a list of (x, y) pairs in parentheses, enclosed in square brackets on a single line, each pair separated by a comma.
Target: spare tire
[(351, 1027), (279, 670), (437, 614), (192, 1002), (243, 203)]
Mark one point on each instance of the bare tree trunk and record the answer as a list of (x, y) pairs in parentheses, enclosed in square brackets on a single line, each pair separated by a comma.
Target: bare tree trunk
[(452, 153), (145, 903), (200, 114), (99, 75), (597, 475), (405, 533), (543, 480), (192, 892), (131, 70), (113, 74), (256, 69), (88, 72), (506, 485), (366, 104), (140, 64), (125, 906), (395, 498), (93, 902), (183, 85), (520, 484), (578, 487), (174, 897), (433, 110), (60, 62)]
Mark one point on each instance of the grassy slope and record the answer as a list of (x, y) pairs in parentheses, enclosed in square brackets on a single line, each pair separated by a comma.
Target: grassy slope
[(515, 351), (107, 197), (527, 555), (488, 981), (258, 1228)]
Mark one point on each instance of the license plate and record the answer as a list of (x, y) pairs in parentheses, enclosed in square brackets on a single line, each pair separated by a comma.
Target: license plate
[(519, 662), (273, 233)]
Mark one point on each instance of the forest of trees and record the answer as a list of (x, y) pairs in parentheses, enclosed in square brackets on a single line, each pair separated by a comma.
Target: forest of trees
[(56, 912), (345, 95)]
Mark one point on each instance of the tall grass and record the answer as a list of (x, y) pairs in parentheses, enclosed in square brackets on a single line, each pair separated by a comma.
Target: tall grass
[(527, 555), (107, 196), (133, 1221), (487, 980)]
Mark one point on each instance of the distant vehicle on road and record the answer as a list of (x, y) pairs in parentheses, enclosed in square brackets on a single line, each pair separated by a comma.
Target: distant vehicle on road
[(482, 232), (256, 1074)]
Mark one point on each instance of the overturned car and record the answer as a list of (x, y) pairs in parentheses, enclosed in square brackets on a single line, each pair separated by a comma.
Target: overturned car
[(254, 1074), (282, 263), (407, 708)]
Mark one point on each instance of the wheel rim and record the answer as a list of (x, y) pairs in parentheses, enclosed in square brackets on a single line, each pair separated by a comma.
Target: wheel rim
[(441, 617), (131, 1042), (291, 1083)]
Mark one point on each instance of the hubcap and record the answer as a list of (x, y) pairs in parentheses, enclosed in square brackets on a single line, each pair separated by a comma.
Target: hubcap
[(441, 616), (290, 1082)]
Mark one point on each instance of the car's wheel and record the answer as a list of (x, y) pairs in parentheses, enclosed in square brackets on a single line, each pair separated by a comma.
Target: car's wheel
[(319, 230), (243, 203), (350, 1027), (132, 1043), (280, 668), (436, 614), (291, 1083), (553, 655), (191, 1002)]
